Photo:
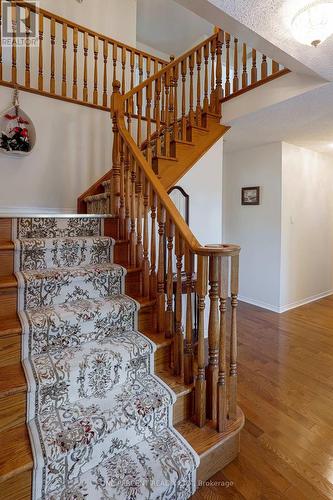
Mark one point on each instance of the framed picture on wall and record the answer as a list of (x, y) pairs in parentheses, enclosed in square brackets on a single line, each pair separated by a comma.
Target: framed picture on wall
[(251, 195)]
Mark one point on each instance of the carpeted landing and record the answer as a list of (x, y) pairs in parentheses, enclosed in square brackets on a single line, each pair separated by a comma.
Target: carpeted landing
[(100, 421)]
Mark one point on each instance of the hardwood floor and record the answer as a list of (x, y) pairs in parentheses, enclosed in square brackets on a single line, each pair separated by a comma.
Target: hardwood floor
[(286, 393)]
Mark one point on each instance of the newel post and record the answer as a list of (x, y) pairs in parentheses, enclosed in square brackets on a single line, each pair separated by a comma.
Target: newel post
[(116, 109)]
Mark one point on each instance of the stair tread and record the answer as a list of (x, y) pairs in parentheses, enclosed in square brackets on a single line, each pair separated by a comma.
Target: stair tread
[(179, 141), (8, 281), (175, 383), (10, 326), (16, 456), (12, 380), (197, 127), (6, 245), (162, 157)]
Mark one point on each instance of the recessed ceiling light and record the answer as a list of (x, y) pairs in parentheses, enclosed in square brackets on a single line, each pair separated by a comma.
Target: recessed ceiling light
[(314, 23)]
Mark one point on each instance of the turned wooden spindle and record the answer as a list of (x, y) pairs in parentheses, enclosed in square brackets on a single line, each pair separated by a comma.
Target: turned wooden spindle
[(275, 67), (206, 59), (244, 74), (140, 68), (139, 117), (171, 95), (95, 93), (122, 189), (115, 104), (254, 76), (175, 104), (167, 114), (75, 48), (219, 88), (27, 49), (222, 408), (14, 49), (148, 67), (145, 264), (212, 76), (163, 98), (198, 107), (161, 216), (188, 345), (105, 72), (40, 52), (85, 66), (153, 277), (213, 338), (123, 70), (132, 65), (148, 121), (139, 204), (183, 119), (53, 41), (114, 60), (233, 338), (191, 97), (127, 194), (158, 113), (178, 349), (200, 384), (227, 65), (169, 317), (64, 61), (133, 236), (264, 67), (235, 83)]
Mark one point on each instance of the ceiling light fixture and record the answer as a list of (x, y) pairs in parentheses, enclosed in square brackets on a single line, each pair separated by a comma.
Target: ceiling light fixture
[(314, 23)]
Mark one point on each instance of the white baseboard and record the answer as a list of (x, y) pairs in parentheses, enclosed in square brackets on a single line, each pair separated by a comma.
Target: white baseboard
[(287, 307), (34, 210)]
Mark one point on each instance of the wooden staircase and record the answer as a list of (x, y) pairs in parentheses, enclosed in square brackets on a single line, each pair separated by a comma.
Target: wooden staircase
[(16, 460)]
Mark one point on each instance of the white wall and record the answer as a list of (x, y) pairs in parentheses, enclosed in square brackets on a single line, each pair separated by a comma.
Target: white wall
[(307, 225), (257, 229), (74, 142)]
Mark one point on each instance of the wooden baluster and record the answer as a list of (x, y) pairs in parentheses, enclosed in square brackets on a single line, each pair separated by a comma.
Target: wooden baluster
[(167, 115), (158, 114), (264, 67), (127, 194), (233, 338), (85, 69), (275, 67), (219, 88), (213, 338), (1, 67), (227, 65), (254, 76), (175, 102), (40, 53), (235, 85), (14, 50), (206, 57), (244, 75), (153, 278), (122, 189), (115, 151), (188, 346), (114, 59), (178, 338), (145, 265), (148, 66), (148, 119), (163, 98), (161, 216), (212, 77), (95, 94), (140, 68), (132, 63), (139, 243), (191, 111), (198, 108), (27, 49), (64, 62), (123, 65), (105, 72), (53, 38), (183, 121), (169, 311), (139, 112), (75, 46), (133, 216), (200, 384), (156, 68), (222, 409), (171, 95)]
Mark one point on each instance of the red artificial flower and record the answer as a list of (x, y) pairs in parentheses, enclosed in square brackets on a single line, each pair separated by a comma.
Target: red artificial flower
[(24, 132), (22, 120), (10, 117)]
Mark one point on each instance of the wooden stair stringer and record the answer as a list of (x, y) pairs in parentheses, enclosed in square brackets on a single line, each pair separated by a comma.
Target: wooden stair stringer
[(170, 175)]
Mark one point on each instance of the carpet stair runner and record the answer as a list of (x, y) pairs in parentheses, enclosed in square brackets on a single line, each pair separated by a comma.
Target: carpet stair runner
[(100, 421)]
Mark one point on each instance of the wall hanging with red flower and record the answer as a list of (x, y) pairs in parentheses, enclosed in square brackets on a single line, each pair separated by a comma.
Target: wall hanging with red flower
[(17, 133)]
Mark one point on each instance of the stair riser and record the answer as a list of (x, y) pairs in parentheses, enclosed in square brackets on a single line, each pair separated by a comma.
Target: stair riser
[(5, 229), (120, 254), (17, 487), (183, 408), (217, 458), (6, 262), (10, 350), (8, 302), (195, 135), (12, 411), (180, 150)]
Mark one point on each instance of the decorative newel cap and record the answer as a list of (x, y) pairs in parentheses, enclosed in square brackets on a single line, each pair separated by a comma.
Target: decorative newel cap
[(116, 86)]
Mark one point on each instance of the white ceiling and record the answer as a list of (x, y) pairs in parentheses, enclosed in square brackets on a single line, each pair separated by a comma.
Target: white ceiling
[(168, 27)]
